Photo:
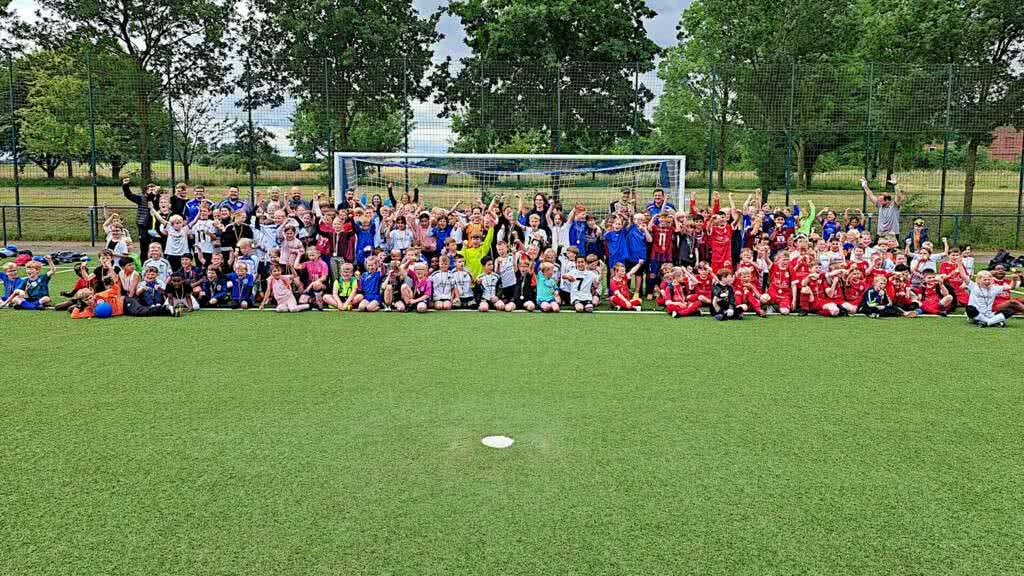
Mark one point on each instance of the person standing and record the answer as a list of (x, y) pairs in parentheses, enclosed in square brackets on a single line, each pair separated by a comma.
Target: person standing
[(888, 207)]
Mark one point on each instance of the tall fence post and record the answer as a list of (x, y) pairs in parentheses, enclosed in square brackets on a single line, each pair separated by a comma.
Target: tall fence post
[(711, 138), (636, 108), (252, 135), (482, 145), (789, 131), (1020, 194), (945, 145), (328, 120), (405, 118), (92, 146), (14, 148), (867, 133), (557, 140), (170, 137)]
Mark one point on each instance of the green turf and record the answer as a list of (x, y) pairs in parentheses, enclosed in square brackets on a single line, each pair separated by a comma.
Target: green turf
[(249, 443)]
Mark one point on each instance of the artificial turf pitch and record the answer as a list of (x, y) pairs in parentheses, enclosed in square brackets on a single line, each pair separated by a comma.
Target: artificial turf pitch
[(248, 443)]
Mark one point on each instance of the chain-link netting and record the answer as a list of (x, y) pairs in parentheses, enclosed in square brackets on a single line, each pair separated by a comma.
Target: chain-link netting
[(798, 132)]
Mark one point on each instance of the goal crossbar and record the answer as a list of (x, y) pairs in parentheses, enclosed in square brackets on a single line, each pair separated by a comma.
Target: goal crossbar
[(399, 164)]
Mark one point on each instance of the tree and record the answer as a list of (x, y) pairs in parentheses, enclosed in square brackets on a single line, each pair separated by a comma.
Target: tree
[(982, 40), (54, 123), (174, 46), (198, 128), (742, 56), (381, 132), (360, 60), (546, 79), (246, 146)]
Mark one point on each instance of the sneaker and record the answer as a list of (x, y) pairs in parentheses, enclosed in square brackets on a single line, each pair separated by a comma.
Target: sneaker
[(1001, 325), (637, 308), (873, 315), (943, 313), (802, 313), (387, 308), (675, 314)]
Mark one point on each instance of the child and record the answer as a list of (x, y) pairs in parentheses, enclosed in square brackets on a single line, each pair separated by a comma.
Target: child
[(488, 283), (345, 295), (877, 303), (128, 277), (779, 284), (619, 288), (416, 289), (157, 261), (723, 297), (176, 234), (84, 280), (581, 286), (241, 284), (748, 295), (280, 285), (462, 282), (547, 286), (935, 297), (35, 292), (178, 293), (316, 271), (369, 286), (291, 249), (212, 291), (150, 291), (443, 285), (505, 267), (983, 294), (676, 302), (525, 290)]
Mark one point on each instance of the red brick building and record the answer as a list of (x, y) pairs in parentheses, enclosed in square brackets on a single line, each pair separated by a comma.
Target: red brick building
[(1007, 143)]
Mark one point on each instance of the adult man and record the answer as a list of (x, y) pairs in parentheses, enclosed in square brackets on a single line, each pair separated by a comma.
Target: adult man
[(627, 203), (146, 201), (234, 203), (888, 207), (192, 206), (295, 199), (659, 204)]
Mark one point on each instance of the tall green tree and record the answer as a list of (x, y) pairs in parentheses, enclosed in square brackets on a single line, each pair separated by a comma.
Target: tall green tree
[(537, 65), (981, 40), (174, 46), (355, 59), (383, 132), (740, 58)]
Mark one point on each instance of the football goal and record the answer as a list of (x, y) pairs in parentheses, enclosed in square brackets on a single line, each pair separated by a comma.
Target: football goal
[(444, 179)]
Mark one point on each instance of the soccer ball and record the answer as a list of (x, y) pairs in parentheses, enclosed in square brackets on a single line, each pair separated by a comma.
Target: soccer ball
[(104, 310)]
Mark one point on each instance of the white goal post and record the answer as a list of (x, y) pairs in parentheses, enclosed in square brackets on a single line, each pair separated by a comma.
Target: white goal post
[(594, 180)]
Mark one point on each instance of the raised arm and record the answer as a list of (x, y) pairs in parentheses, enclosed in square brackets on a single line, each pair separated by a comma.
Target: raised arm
[(867, 191)]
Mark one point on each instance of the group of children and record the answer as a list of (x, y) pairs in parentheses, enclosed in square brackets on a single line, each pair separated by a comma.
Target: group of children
[(368, 255)]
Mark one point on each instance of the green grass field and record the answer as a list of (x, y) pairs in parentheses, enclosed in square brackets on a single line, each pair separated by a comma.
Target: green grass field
[(256, 443)]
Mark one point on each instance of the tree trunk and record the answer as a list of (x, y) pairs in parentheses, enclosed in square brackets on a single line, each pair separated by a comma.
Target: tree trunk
[(185, 168), (115, 169), (70, 164), (800, 164), (890, 160), (970, 169)]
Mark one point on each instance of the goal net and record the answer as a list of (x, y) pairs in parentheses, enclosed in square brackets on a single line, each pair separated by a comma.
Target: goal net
[(444, 179)]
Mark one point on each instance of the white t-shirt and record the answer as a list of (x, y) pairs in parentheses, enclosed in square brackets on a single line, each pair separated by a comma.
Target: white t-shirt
[(441, 283), (489, 285), (464, 282), (983, 298), (506, 267), (177, 241), (400, 239), (582, 288), (203, 230)]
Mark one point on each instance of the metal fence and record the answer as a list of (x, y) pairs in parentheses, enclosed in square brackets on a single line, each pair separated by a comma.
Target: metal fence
[(73, 124)]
